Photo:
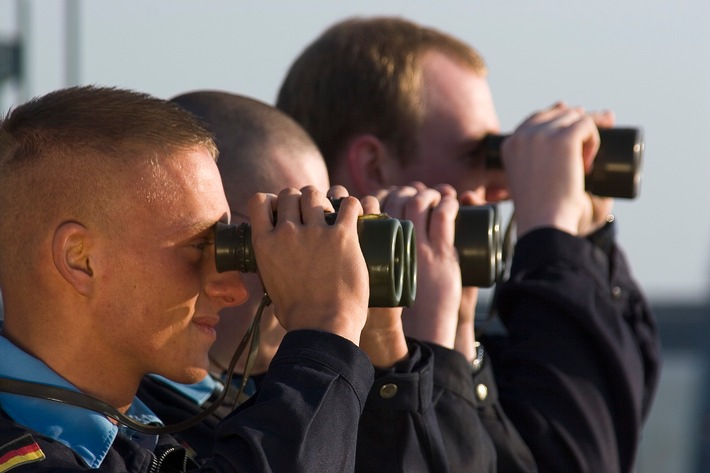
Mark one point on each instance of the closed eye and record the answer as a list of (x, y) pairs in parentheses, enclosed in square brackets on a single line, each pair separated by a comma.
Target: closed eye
[(202, 245)]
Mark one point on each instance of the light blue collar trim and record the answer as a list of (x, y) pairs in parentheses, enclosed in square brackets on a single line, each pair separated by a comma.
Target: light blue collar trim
[(88, 433), (199, 392)]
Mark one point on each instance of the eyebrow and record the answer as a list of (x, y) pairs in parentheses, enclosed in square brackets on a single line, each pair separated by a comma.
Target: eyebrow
[(198, 227)]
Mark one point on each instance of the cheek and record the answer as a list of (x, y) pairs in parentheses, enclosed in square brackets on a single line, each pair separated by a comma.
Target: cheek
[(161, 293)]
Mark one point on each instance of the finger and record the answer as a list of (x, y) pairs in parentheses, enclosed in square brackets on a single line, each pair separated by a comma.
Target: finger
[(288, 206), (418, 185), (442, 222), (396, 200), (314, 204), (472, 198), (546, 114), (370, 205), (337, 192), (445, 189), (350, 210), (418, 209), (382, 194), (604, 118), (590, 140), (567, 117), (261, 209)]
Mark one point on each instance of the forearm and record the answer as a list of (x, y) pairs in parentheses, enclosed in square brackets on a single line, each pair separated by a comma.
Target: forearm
[(304, 417), (572, 377)]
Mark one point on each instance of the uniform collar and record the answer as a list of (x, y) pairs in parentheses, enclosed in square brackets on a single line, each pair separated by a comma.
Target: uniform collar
[(199, 392), (90, 434)]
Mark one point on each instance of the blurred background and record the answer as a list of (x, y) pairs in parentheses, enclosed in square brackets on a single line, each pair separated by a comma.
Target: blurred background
[(646, 60)]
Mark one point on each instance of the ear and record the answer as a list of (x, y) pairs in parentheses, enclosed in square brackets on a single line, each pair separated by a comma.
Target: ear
[(71, 248), (367, 159)]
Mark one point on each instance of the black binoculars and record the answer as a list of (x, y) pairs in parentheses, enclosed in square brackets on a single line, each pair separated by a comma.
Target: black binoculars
[(617, 166), (389, 248)]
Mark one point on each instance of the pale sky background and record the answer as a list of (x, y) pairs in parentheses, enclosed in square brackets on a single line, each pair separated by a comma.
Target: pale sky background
[(645, 59)]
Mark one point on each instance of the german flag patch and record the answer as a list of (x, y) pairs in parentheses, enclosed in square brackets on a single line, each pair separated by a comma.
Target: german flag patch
[(19, 452)]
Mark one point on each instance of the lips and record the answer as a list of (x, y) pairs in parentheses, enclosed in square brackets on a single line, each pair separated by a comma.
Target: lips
[(207, 324)]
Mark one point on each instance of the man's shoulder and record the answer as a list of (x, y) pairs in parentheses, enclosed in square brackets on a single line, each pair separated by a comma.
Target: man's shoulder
[(21, 446)]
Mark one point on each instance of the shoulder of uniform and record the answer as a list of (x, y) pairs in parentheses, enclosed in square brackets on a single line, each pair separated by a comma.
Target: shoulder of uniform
[(18, 447)]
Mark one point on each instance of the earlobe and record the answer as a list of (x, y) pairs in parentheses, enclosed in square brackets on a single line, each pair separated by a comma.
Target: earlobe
[(366, 161), (71, 248)]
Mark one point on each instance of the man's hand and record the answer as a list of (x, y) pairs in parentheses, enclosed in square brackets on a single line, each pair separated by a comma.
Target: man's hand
[(314, 272), (545, 161), (434, 315)]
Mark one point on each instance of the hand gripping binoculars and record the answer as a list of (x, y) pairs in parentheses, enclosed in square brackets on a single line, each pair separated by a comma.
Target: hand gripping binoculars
[(389, 248), (617, 166)]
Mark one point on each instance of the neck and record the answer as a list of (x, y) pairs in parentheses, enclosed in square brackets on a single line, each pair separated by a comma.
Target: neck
[(70, 361)]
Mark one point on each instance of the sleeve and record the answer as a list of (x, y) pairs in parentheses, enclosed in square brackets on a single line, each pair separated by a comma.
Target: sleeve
[(398, 430), (513, 454), (304, 417), (421, 415), (485, 426), (578, 370)]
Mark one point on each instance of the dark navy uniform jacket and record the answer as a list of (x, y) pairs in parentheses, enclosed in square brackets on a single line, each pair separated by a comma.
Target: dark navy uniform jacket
[(303, 419), (421, 415), (579, 366)]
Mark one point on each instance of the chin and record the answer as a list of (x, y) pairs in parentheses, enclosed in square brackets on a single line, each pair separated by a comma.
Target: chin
[(192, 375)]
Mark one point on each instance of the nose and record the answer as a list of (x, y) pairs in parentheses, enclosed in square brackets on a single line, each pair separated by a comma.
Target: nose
[(226, 288), (473, 197), (496, 186)]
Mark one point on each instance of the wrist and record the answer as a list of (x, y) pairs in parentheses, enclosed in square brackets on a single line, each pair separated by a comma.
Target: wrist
[(466, 340), (384, 347)]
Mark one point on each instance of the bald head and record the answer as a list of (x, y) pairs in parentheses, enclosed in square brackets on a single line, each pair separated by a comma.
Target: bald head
[(261, 149)]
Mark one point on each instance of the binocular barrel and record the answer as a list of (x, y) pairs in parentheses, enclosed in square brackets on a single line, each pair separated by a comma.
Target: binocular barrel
[(388, 246), (617, 166), (478, 241)]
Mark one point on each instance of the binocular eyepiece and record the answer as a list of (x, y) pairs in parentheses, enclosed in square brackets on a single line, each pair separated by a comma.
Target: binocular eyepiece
[(617, 166)]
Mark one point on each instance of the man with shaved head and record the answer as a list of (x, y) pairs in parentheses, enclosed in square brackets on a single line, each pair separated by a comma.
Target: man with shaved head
[(261, 150)]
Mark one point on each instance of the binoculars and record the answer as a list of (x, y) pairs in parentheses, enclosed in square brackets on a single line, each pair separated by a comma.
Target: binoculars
[(617, 166), (389, 248)]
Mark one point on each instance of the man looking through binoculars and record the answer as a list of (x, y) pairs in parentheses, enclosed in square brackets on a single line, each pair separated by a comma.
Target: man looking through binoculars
[(390, 102)]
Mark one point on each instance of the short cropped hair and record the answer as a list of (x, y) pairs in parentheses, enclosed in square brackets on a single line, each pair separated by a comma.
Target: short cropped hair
[(364, 75), (254, 139), (68, 153)]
